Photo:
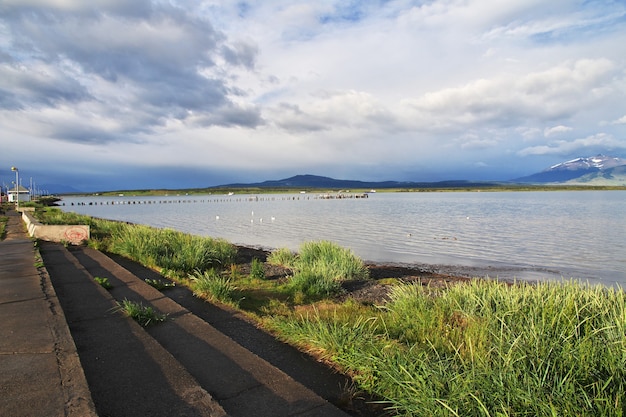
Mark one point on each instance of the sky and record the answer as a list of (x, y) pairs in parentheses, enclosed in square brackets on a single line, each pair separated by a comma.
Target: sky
[(139, 94)]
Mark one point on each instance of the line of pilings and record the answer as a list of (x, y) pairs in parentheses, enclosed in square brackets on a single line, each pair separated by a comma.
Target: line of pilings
[(339, 196)]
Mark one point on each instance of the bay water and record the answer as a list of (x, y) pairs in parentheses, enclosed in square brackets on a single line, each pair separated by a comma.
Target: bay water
[(506, 235)]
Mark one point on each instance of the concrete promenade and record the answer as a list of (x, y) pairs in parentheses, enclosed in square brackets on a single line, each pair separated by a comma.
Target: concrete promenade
[(40, 372)]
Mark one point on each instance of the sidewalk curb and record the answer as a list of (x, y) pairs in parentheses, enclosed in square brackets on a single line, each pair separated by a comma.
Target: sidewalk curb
[(78, 401)]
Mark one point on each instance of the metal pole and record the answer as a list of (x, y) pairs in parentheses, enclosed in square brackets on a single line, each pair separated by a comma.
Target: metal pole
[(17, 186)]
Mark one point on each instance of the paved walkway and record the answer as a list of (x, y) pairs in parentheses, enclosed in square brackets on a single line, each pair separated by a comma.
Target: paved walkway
[(40, 372)]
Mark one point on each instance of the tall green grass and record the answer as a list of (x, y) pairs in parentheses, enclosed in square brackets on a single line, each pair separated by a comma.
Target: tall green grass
[(324, 258), (213, 286), (171, 249), (309, 285), (283, 257), (330, 260), (483, 349), (162, 248), (319, 268), (54, 215), (256, 269)]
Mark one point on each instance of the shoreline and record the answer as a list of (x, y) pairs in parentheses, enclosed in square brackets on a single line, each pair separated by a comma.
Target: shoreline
[(441, 271), (440, 274), (500, 271)]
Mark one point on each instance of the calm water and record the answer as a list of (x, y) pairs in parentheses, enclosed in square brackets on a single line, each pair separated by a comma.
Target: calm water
[(527, 235)]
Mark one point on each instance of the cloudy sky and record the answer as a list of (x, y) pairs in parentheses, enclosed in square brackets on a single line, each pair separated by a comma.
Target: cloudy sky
[(120, 94)]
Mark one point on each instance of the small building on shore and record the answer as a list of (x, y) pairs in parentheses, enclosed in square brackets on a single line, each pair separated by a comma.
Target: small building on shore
[(21, 192)]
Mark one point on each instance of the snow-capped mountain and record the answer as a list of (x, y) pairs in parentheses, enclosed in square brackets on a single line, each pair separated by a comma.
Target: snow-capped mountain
[(599, 162), (593, 170)]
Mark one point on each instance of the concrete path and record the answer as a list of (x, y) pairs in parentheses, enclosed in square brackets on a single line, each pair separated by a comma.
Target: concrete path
[(40, 372)]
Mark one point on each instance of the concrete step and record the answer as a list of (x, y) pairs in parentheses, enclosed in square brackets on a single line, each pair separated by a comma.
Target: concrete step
[(318, 377), (128, 372), (242, 383)]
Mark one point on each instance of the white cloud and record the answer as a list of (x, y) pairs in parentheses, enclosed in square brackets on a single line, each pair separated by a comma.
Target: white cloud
[(556, 130), (333, 110), (587, 145), (510, 100), (262, 85)]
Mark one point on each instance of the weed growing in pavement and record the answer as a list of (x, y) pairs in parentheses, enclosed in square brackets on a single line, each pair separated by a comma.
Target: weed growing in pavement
[(104, 282), (144, 315), (160, 284)]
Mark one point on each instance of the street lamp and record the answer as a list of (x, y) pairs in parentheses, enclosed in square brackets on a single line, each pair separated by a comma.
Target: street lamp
[(17, 186)]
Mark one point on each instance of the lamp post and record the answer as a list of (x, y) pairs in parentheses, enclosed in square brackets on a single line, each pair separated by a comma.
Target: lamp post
[(17, 187)]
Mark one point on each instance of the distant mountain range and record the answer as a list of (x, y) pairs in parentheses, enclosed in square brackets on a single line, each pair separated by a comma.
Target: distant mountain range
[(316, 181), (594, 170), (598, 170), (57, 189)]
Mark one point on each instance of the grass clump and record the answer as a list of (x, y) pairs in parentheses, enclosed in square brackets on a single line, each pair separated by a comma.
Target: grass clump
[(256, 269), (144, 315), (160, 284), (104, 282), (213, 286), (308, 285), (283, 257), (331, 260), (319, 268), (482, 349)]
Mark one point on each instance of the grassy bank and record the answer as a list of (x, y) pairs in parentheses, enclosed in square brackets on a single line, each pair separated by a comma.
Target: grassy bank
[(483, 349), (478, 349), (165, 249)]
